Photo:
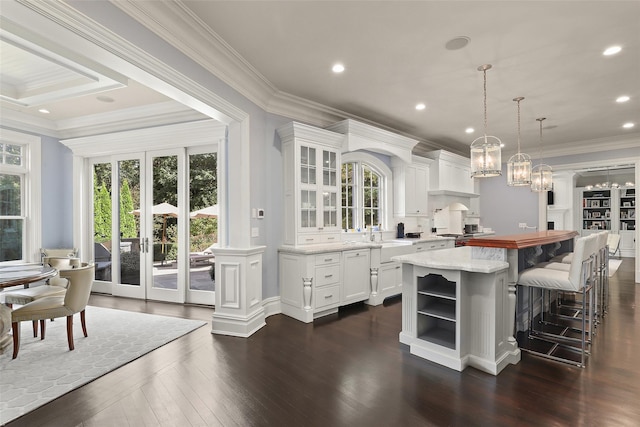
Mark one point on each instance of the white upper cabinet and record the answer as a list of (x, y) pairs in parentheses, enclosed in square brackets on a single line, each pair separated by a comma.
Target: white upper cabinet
[(410, 187), (450, 174), (312, 184)]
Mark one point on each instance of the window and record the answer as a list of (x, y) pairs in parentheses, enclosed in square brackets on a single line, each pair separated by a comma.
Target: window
[(19, 215), (362, 191)]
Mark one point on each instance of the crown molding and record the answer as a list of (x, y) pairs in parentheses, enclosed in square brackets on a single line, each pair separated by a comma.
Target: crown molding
[(181, 28), (204, 132), (592, 146), (160, 114)]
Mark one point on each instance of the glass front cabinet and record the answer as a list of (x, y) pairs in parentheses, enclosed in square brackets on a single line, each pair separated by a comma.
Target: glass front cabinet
[(311, 184)]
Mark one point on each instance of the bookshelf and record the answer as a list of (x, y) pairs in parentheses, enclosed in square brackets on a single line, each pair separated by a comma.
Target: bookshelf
[(596, 210)]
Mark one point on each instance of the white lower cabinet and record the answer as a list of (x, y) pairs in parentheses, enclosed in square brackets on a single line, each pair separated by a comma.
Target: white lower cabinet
[(627, 243), (356, 275), (390, 278), (313, 285)]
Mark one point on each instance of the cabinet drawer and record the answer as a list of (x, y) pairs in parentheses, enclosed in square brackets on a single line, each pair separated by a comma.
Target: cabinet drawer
[(309, 239), (328, 258), (330, 238), (327, 296), (327, 275)]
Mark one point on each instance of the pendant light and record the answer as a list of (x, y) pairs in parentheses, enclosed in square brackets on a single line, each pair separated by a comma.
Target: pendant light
[(519, 165), (485, 150), (542, 175)]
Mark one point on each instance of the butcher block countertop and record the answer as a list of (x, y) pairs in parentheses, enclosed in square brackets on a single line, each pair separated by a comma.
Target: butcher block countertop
[(524, 240)]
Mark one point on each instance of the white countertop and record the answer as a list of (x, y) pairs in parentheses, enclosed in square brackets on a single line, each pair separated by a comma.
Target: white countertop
[(351, 245), (452, 259)]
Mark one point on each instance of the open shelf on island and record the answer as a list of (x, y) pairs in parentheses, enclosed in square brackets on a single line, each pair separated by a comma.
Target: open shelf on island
[(437, 310)]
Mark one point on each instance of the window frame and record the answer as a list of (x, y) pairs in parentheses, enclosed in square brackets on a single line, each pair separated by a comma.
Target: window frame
[(31, 197), (379, 167)]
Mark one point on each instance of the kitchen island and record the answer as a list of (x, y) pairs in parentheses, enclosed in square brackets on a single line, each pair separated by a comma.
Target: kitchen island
[(458, 305)]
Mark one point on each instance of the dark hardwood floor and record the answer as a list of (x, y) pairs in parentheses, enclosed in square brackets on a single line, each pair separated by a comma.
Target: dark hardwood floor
[(350, 370)]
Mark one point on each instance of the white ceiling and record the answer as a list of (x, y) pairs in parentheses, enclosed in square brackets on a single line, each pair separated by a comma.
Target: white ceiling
[(395, 56)]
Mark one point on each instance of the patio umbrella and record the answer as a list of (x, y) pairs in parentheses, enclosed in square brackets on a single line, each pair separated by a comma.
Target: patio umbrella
[(164, 209), (208, 212)]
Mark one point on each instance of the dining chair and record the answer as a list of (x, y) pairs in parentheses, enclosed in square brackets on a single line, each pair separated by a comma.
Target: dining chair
[(74, 301)]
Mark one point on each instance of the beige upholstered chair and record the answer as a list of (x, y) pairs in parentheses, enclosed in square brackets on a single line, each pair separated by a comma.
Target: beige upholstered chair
[(61, 252), (53, 287), (74, 301)]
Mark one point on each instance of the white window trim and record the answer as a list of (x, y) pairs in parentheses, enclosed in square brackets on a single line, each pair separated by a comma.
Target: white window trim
[(386, 174), (32, 192)]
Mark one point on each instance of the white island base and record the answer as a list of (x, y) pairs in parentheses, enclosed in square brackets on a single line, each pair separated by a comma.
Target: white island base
[(455, 310)]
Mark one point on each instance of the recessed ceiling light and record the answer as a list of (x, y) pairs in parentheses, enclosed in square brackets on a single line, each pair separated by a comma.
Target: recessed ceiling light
[(469, 130), (628, 125), (337, 68), (103, 98), (44, 111), (457, 43), (420, 106), (623, 98), (612, 50), (502, 145)]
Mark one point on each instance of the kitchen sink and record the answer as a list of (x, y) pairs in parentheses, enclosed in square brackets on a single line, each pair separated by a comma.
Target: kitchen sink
[(393, 248)]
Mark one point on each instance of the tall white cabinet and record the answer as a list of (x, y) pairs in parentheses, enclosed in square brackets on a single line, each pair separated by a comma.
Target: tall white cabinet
[(411, 186), (311, 184)]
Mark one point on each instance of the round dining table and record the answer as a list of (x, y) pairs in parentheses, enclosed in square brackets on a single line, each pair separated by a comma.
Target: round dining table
[(16, 275)]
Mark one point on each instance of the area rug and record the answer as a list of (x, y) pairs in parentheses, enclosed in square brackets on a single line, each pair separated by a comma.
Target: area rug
[(45, 369), (613, 266)]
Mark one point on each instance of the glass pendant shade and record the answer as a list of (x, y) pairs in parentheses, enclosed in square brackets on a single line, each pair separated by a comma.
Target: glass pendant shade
[(486, 151), (519, 170), (542, 178), (541, 175), (486, 159), (519, 165)]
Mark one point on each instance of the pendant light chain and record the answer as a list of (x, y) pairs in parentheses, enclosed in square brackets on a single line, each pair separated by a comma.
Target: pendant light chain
[(485, 101), (519, 99), (540, 120)]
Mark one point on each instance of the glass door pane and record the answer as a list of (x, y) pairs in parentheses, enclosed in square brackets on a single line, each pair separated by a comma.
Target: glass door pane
[(203, 227), (129, 222), (164, 211), (102, 218)]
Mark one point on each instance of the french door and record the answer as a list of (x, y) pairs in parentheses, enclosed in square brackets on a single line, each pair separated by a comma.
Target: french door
[(141, 218)]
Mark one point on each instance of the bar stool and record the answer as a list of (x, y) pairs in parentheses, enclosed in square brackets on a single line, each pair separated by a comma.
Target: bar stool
[(578, 280), (562, 262)]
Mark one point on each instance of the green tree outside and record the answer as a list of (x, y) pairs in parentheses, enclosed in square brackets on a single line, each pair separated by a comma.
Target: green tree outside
[(128, 227)]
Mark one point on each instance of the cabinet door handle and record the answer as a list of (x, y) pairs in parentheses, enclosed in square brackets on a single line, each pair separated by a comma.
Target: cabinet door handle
[(309, 240), (397, 267), (326, 276), (331, 238), (328, 296), (328, 259), (433, 246)]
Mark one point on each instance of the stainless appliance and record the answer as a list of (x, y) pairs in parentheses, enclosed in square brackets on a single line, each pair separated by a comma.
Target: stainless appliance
[(470, 228)]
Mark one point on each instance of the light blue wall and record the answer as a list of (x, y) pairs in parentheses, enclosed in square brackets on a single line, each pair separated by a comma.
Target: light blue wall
[(57, 194), (503, 207)]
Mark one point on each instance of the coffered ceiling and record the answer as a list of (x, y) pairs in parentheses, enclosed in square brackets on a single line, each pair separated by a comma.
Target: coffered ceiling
[(396, 55)]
